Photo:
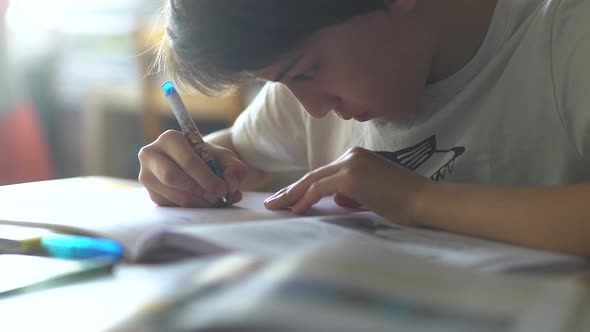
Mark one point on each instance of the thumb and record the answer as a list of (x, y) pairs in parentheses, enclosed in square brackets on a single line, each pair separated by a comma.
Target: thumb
[(233, 169)]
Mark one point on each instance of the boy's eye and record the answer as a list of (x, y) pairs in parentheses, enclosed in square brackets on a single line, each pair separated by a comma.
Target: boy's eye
[(308, 74)]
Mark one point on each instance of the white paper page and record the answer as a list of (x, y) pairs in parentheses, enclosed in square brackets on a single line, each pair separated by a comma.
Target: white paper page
[(121, 209), (96, 305), (276, 237), (343, 286), (457, 249)]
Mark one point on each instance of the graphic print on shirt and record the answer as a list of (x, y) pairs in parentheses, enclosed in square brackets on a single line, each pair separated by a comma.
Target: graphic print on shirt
[(425, 158)]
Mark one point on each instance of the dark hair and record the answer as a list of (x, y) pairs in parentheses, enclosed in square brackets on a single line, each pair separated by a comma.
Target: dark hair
[(211, 45)]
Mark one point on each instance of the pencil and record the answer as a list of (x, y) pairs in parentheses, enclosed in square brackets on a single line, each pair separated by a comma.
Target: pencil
[(190, 130)]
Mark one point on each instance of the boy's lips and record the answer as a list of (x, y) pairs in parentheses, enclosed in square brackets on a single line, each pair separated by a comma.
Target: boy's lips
[(362, 117), (342, 116), (359, 117)]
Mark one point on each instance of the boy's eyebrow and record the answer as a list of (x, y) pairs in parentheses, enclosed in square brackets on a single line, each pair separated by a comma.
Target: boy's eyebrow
[(288, 67)]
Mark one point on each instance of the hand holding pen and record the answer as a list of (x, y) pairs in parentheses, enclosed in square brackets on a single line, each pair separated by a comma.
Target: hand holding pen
[(179, 174)]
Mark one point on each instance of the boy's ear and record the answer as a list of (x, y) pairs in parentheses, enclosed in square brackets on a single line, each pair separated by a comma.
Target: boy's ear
[(401, 5)]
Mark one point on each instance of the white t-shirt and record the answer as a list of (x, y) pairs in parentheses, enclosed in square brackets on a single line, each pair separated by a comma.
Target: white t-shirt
[(517, 114)]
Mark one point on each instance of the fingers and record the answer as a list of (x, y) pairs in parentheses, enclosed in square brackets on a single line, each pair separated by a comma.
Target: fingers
[(236, 196), (160, 200), (165, 195), (311, 182), (340, 178), (345, 201), (174, 174), (234, 169), (184, 199), (162, 169), (181, 153), (323, 187)]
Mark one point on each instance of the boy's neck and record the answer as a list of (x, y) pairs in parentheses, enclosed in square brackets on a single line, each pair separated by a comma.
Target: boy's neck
[(459, 28)]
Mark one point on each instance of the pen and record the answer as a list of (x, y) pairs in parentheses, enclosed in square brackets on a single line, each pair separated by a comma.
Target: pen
[(193, 135), (80, 247), (20, 239)]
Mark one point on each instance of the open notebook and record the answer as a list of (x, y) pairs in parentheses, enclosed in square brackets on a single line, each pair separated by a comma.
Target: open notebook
[(121, 210), (337, 286), (343, 286)]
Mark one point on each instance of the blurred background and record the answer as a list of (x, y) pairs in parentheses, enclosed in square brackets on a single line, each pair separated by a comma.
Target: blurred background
[(75, 98)]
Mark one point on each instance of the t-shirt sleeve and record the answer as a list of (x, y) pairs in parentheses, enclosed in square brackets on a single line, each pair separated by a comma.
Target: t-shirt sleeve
[(271, 132), (571, 60)]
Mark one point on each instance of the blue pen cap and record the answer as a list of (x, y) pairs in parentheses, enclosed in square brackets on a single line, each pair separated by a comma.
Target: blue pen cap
[(80, 247), (168, 89)]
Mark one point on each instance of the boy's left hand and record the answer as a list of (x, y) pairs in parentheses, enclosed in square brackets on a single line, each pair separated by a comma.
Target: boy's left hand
[(358, 178)]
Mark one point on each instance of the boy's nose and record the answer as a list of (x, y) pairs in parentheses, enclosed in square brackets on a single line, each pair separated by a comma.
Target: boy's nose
[(319, 105), (316, 102), (317, 112)]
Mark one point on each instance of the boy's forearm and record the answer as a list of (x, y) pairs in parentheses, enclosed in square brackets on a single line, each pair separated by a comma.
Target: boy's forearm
[(553, 218), (255, 177)]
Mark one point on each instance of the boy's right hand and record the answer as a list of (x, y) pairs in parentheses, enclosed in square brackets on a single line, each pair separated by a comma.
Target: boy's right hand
[(175, 175)]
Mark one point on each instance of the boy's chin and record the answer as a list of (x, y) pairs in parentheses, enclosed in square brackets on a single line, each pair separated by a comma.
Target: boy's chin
[(395, 118), (379, 122), (401, 120)]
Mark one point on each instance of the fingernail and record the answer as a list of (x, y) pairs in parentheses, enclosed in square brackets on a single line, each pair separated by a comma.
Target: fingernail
[(274, 196)]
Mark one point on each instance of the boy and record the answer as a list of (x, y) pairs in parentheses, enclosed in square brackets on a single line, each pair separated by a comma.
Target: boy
[(468, 116)]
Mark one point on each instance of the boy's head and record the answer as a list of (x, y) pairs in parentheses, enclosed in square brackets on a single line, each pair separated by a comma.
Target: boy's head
[(212, 44), (355, 57)]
